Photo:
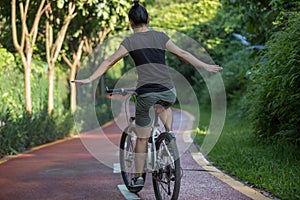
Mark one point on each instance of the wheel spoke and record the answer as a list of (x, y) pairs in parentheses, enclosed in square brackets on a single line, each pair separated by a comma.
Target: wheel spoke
[(127, 156), (167, 178)]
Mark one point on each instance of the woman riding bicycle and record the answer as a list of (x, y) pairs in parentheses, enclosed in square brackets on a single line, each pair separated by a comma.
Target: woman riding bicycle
[(147, 49)]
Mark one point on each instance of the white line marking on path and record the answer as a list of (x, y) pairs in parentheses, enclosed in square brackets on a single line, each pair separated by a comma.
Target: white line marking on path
[(117, 168), (128, 195)]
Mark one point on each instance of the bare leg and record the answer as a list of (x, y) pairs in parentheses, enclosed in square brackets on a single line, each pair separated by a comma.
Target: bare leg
[(167, 119), (141, 149)]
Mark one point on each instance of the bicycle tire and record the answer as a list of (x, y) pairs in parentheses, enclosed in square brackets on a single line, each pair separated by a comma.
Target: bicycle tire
[(167, 178), (126, 157)]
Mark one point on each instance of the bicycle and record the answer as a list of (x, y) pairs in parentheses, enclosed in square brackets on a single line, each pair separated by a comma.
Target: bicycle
[(163, 157)]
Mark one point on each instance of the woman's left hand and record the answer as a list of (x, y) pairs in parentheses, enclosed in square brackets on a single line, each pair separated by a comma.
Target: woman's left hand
[(213, 68)]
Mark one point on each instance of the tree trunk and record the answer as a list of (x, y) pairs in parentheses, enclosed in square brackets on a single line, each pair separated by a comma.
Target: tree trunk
[(27, 83), (26, 43), (53, 49), (51, 78), (73, 101), (73, 70)]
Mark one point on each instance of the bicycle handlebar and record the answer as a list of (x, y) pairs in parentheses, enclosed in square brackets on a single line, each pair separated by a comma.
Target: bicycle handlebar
[(121, 91)]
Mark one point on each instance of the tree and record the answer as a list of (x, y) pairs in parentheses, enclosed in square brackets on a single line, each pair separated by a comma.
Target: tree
[(73, 64), (53, 46), (94, 22), (26, 44)]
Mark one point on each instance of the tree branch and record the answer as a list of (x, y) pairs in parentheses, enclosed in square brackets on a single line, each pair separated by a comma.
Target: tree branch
[(87, 46), (25, 35), (34, 29), (14, 26), (79, 53), (61, 34), (48, 42), (26, 8), (66, 60)]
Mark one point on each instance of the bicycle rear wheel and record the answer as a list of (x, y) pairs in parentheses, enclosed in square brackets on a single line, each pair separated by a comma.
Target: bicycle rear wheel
[(126, 157), (166, 179)]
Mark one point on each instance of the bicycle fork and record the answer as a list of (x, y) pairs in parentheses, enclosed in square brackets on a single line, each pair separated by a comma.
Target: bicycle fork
[(152, 156)]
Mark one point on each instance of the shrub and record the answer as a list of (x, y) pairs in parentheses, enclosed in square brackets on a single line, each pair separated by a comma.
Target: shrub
[(19, 134), (18, 130), (273, 96)]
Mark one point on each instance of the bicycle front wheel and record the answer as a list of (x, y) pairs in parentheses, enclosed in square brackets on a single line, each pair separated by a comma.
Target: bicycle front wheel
[(166, 179), (127, 155)]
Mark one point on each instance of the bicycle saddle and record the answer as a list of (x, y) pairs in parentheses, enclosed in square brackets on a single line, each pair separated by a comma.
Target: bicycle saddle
[(161, 105)]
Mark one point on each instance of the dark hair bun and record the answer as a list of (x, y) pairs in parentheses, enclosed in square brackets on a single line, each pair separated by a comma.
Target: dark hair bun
[(136, 3), (138, 13)]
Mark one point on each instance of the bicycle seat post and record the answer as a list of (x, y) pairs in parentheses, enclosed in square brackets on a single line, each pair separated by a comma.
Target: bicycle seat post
[(157, 110)]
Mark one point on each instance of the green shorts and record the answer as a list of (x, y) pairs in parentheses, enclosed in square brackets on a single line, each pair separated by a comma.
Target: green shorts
[(145, 101)]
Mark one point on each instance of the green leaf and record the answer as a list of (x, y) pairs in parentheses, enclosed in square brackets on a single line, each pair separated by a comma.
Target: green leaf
[(60, 4)]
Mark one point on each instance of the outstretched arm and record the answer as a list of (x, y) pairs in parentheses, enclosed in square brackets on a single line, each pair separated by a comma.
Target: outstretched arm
[(105, 65), (189, 58)]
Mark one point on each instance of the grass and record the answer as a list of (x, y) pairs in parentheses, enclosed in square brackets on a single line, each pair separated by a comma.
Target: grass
[(269, 165)]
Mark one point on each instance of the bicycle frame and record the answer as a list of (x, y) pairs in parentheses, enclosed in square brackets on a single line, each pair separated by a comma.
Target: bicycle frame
[(161, 161), (152, 156), (151, 161)]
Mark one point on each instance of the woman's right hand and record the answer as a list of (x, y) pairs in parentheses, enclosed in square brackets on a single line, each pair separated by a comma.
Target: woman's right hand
[(82, 81)]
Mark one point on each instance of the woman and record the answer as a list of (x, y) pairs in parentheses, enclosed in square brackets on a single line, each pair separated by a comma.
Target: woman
[(147, 49)]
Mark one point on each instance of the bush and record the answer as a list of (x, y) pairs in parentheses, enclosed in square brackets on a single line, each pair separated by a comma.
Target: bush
[(236, 73), (19, 130), (19, 134), (273, 96)]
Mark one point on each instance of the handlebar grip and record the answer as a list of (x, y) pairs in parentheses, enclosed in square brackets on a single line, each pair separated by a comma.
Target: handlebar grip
[(109, 91), (122, 91)]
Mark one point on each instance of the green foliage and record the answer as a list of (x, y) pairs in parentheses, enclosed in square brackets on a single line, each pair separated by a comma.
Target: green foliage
[(215, 35), (258, 22), (274, 94), (284, 10), (11, 87), (5, 21), (102, 14), (103, 111), (6, 58), (88, 118), (180, 15), (19, 134), (92, 18), (236, 73), (18, 130)]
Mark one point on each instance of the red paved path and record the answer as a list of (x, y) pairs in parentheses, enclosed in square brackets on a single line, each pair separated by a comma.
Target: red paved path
[(67, 171)]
